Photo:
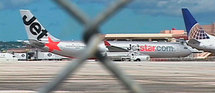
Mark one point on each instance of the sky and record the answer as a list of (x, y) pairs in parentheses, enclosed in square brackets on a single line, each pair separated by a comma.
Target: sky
[(139, 16)]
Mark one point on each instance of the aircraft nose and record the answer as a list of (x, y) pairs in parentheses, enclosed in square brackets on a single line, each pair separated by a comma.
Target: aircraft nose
[(187, 51)]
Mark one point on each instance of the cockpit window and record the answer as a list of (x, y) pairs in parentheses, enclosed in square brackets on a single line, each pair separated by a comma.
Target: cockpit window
[(185, 48)]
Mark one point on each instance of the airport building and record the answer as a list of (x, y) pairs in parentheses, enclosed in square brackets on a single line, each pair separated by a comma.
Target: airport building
[(210, 29), (166, 35)]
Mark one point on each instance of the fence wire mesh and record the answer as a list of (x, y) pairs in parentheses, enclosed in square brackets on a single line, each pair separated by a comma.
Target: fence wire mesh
[(92, 39)]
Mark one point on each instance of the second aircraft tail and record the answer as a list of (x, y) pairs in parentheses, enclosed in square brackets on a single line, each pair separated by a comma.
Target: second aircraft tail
[(194, 30)]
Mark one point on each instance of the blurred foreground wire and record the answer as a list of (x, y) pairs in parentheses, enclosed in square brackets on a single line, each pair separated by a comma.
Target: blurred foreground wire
[(92, 39)]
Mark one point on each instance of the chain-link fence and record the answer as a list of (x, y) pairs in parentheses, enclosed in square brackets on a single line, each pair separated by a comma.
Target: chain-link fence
[(91, 38)]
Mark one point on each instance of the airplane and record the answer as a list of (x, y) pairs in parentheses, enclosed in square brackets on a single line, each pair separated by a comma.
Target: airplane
[(153, 49), (39, 37), (197, 37)]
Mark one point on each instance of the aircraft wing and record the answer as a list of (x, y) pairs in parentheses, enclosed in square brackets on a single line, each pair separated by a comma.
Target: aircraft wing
[(193, 42), (112, 48)]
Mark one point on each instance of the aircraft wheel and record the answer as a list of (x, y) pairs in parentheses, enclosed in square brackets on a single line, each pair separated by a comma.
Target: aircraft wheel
[(138, 59)]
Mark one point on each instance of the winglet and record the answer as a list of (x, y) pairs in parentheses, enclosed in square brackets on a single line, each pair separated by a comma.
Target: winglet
[(106, 43)]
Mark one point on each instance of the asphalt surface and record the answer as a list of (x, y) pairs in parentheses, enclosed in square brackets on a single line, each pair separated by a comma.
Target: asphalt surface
[(154, 77)]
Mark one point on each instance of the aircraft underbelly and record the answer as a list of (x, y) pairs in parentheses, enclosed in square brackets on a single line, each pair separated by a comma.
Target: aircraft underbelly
[(160, 54), (67, 52), (166, 54)]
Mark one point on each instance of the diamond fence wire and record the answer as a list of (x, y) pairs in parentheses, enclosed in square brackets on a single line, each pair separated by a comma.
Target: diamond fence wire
[(92, 39)]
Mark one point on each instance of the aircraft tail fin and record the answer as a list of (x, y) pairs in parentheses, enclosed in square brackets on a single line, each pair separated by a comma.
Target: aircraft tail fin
[(194, 30), (35, 31)]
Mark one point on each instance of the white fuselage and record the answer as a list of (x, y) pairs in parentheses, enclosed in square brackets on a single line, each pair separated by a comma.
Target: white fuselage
[(207, 45), (72, 48), (153, 49)]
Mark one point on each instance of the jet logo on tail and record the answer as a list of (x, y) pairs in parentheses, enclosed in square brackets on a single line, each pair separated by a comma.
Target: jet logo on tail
[(35, 28)]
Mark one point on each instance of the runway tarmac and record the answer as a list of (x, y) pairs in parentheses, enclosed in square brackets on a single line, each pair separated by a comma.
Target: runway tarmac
[(154, 77)]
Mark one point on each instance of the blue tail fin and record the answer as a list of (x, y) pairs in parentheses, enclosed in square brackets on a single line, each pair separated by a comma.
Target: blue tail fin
[(194, 30)]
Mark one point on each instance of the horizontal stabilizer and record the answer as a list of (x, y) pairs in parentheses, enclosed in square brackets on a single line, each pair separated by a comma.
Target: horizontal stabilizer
[(193, 42)]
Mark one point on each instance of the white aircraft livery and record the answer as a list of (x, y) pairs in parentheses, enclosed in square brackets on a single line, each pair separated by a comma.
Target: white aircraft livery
[(153, 49), (197, 36), (39, 37)]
